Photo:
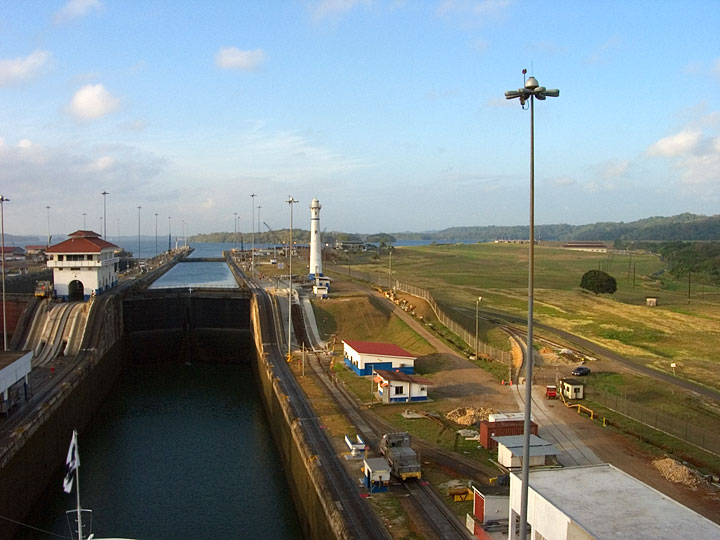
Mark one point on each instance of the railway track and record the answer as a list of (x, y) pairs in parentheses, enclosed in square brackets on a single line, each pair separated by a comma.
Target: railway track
[(371, 427), (359, 515)]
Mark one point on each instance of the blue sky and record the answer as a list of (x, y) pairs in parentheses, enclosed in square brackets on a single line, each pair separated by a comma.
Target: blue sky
[(390, 112)]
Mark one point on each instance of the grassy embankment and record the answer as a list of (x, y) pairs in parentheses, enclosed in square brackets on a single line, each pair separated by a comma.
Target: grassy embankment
[(674, 331), (687, 333), (358, 316)]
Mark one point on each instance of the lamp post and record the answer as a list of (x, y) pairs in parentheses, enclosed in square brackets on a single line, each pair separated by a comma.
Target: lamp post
[(48, 220), (477, 324), (390, 250), (138, 255), (290, 201), (252, 222), (529, 92), (2, 234), (258, 222), (156, 249), (235, 236), (104, 194)]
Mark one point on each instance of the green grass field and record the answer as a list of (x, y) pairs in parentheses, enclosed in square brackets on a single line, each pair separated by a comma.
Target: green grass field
[(678, 330)]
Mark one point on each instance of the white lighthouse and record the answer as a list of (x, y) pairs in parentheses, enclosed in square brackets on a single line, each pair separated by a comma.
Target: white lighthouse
[(315, 245)]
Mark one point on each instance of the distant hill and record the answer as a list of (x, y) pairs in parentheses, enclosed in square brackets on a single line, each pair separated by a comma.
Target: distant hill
[(683, 227)]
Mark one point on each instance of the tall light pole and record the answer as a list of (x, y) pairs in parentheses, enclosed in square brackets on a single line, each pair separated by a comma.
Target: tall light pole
[(2, 234), (169, 235), (156, 250), (104, 194), (390, 268), (138, 255), (84, 221), (235, 235), (258, 222), (290, 201), (477, 324), (529, 92), (48, 220), (252, 221)]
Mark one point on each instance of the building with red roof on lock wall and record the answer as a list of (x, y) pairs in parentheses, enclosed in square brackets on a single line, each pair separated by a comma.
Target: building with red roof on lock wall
[(83, 265)]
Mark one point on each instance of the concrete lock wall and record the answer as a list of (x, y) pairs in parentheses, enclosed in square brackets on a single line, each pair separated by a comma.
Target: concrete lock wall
[(42, 449), (319, 517), (39, 450)]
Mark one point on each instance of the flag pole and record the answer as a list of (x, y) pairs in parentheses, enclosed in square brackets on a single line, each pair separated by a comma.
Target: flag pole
[(77, 482)]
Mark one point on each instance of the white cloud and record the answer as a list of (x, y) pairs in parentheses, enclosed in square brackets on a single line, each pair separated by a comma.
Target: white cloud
[(562, 181), (101, 164), (19, 70), (234, 58), (329, 8), (614, 169), (474, 7), (702, 169), (24, 143), (675, 145), (92, 101), (74, 9)]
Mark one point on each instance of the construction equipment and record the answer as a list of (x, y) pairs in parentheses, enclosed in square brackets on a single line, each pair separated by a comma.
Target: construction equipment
[(277, 241)]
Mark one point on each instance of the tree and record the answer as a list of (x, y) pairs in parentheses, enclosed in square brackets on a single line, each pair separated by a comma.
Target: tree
[(598, 282)]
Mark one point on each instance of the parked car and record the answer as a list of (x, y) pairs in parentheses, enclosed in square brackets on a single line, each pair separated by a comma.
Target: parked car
[(581, 371)]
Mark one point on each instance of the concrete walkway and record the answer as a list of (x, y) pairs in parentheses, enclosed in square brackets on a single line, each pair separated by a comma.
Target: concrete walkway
[(552, 420)]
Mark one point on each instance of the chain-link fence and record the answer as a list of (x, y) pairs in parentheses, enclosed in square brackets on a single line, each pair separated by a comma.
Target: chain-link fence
[(672, 425), (383, 280)]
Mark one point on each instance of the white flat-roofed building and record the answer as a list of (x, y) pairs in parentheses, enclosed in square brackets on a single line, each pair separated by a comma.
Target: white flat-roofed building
[(14, 368), (510, 450), (599, 502), (83, 265)]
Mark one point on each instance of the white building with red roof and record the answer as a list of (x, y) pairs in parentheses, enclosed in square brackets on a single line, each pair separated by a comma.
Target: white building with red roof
[(83, 265), (399, 387), (365, 356)]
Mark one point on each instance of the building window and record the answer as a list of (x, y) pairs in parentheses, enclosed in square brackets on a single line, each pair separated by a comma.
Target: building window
[(398, 389)]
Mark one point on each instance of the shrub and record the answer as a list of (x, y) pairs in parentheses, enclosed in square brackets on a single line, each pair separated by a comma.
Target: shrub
[(598, 282)]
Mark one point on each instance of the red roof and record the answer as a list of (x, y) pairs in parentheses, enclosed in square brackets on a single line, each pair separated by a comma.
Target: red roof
[(81, 242), (400, 376), (383, 349)]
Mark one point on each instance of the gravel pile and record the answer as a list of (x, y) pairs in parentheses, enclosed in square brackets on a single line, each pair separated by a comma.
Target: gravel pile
[(467, 416), (677, 472)]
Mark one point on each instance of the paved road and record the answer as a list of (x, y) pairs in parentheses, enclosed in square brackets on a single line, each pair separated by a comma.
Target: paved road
[(603, 352), (552, 428)]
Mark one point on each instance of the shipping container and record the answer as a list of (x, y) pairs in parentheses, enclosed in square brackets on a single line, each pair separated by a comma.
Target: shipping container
[(501, 428)]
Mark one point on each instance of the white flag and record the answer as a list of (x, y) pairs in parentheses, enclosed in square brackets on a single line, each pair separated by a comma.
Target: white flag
[(71, 463)]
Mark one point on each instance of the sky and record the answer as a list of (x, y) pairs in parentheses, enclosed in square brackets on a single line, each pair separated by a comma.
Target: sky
[(390, 112)]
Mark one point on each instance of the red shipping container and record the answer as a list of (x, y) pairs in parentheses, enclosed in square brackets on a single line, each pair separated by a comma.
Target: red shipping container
[(488, 430)]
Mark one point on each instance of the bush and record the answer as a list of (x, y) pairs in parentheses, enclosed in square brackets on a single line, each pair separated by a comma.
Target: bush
[(598, 282)]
